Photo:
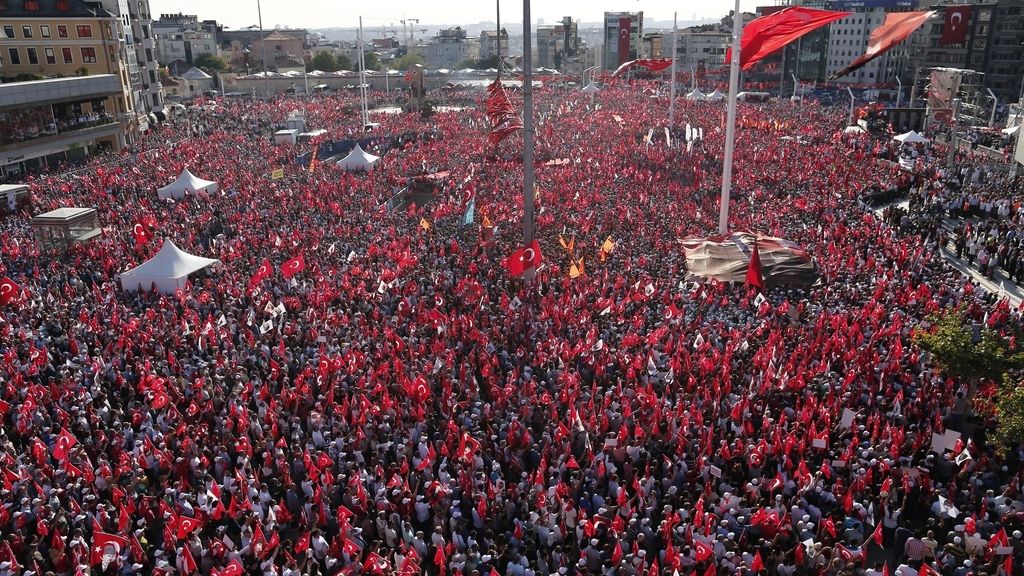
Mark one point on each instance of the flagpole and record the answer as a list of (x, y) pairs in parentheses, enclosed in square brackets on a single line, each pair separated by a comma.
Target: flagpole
[(672, 91), (730, 122), (528, 176)]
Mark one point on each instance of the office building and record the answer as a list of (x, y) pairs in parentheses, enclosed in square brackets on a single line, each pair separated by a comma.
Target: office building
[(450, 48), (622, 32), (557, 43), (183, 37)]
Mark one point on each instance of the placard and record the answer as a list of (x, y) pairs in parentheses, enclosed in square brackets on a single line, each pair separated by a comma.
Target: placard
[(716, 471), (848, 418)]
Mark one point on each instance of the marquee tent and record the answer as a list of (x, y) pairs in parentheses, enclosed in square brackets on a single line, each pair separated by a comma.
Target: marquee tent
[(911, 138), (716, 95), (168, 270), (696, 95), (358, 159), (726, 258), (591, 88), (186, 182)]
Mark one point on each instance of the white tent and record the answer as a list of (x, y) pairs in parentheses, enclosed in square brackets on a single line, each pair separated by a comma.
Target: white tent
[(716, 95), (185, 182), (1011, 131), (591, 88), (911, 138), (358, 159), (696, 95), (168, 270)]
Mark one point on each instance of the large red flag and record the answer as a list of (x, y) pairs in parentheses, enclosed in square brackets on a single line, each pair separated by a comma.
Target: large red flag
[(524, 259), (767, 34), (896, 28), (293, 266), (625, 29), (10, 293), (954, 29), (755, 275)]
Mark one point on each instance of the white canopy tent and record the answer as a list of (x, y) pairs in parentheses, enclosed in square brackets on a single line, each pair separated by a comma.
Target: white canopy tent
[(911, 138), (168, 270), (716, 95), (186, 182), (358, 159), (1011, 130), (591, 88), (696, 95)]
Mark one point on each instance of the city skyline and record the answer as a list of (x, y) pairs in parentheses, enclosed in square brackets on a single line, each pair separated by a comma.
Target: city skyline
[(237, 14)]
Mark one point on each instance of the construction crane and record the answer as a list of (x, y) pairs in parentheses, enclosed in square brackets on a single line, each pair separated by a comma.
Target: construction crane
[(410, 32)]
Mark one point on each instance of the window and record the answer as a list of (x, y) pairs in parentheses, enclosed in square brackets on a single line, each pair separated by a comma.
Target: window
[(8, 32), (14, 55), (66, 53), (50, 58), (84, 31), (62, 31), (33, 57), (44, 31), (26, 31), (89, 55)]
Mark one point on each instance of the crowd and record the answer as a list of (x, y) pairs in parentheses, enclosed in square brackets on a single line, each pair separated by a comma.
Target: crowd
[(402, 405)]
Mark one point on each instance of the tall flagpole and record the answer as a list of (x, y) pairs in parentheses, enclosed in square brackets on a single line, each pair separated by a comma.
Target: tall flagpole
[(362, 77), (672, 91), (730, 122), (263, 38), (528, 177)]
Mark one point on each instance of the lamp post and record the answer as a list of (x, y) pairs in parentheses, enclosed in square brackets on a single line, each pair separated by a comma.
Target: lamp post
[(730, 127), (899, 91), (672, 89), (528, 176), (853, 100), (995, 104), (263, 40)]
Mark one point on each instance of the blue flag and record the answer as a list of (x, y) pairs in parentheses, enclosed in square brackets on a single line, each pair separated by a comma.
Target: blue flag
[(467, 219)]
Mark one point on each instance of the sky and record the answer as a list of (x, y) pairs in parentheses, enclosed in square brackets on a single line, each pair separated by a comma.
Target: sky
[(338, 13)]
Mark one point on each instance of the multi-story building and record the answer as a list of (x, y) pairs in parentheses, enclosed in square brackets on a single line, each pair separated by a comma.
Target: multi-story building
[(994, 46), (557, 43), (450, 48), (623, 29), (277, 49), (490, 44), (48, 122), (184, 37), (702, 47), (148, 89), (72, 37), (656, 45), (848, 39)]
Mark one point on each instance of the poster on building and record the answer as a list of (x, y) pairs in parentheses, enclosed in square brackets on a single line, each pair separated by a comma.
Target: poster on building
[(943, 87), (625, 36)]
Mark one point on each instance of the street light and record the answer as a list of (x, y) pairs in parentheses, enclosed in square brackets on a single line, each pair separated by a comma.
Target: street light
[(899, 91), (995, 104)]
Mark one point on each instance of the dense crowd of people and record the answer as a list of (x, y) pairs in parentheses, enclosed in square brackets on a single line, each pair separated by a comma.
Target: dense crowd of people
[(402, 405)]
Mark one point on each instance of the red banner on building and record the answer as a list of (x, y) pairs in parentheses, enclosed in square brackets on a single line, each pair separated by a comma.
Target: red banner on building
[(954, 29), (625, 34)]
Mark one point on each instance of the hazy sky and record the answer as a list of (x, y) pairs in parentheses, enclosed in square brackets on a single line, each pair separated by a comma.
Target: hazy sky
[(323, 14)]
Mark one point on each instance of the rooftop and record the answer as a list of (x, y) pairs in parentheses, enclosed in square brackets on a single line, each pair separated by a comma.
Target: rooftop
[(16, 94)]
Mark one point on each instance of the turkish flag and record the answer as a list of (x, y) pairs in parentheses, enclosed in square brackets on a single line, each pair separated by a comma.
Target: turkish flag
[(524, 259), (262, 273), (188, 562), (233, 569), (927, 570), (10, 293), (103, 544), (187, 526), (293, 266), (757, 565), (898, 26), (625, 34), (703, 550), (954, 29), (142, 232), (767, 34), (65, 441), (302, 544), (755, 277)]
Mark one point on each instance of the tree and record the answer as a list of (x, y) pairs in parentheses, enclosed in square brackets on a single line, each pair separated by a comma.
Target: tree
[(408, 61), (208, 62), (342, 62), (1010, 413), (323, 61), (372, 61)]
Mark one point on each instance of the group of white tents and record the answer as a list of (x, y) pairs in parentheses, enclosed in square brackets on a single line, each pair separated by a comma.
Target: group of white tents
[(697, 96)]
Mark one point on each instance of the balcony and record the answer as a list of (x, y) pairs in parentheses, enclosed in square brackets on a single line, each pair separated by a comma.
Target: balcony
[(58, 141)]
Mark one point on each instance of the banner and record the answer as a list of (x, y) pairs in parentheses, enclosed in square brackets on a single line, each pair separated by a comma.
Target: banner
[(943, 87), (954, 28), (625, 35), (277, 174)]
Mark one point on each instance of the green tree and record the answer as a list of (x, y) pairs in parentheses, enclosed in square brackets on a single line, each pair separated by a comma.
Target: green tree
[(342, 62), (408, 61), (372, 61), (209, 62), (1010, 413), (323, 61)]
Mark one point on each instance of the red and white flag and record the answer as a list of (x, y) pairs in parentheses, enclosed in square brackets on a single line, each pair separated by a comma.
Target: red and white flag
[(524, 259), (293, 266)]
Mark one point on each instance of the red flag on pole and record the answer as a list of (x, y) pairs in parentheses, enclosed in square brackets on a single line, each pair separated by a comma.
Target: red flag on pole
[(755, 276), (766, 34), (293, 266), (524, 259), (898, 26), (954, 29)]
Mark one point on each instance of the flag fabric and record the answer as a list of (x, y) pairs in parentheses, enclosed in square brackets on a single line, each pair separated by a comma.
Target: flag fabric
[(652, 64), (755, 276), (262, 273), (702, 549), (65, 441), (625, 35), (757, 565), (293, 266), (104, 544), (898, 26), (313, 159), (424, 223), (467, 218), (142, 232), (766, 34), (524, 259), (954, 28), (188, 563), (10, 292)]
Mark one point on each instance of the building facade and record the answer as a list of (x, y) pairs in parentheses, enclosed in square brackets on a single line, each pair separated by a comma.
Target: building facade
[(490, 44), (848, 39), (616, 34), (557, 43), (450, 48)]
